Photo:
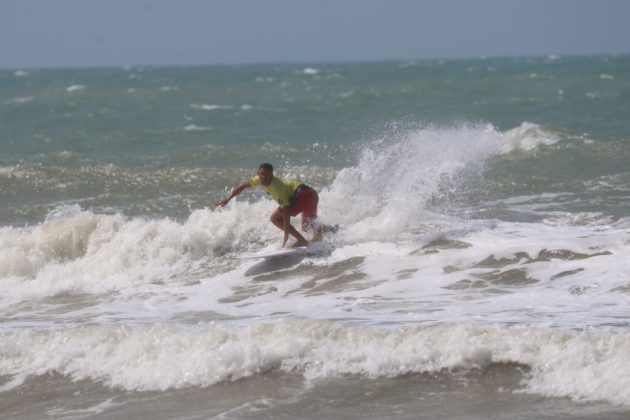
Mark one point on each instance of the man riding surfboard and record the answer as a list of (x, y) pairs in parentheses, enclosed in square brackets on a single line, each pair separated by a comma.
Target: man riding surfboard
[(292, 197)]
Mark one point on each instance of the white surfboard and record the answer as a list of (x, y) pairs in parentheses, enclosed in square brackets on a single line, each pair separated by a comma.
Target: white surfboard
[(285, 252)]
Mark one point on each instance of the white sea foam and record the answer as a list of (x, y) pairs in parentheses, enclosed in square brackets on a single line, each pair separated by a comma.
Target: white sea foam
[(75, 88), (89, 411), (575, 266), (20, 100), (528, 137), (206, 107), (193, 127), (81, 252), (20, 73), (585, 366), (386, 192)]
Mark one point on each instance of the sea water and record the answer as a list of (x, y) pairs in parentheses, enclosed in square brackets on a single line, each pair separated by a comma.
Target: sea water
[(480, 269)]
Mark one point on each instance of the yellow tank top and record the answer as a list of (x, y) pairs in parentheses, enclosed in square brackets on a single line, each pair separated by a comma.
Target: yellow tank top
[(280, 189)]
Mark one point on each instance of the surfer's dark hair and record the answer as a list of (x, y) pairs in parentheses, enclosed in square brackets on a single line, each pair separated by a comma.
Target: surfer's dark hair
[(266, 166)]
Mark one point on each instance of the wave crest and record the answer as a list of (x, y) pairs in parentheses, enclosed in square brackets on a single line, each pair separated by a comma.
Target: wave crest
[(584, 366)]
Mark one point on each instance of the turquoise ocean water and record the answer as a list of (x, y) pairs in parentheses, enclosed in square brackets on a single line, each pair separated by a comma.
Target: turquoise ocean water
[(480, 268)]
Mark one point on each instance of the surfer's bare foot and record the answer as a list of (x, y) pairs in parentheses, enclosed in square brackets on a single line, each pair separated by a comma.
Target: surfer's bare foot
[(299, 243)]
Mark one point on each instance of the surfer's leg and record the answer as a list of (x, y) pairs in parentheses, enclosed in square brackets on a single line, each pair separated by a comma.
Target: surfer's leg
[(278, 220), (307, 205)]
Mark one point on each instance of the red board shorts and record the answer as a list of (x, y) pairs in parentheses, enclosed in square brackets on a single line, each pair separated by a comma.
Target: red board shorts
[(305, 202)]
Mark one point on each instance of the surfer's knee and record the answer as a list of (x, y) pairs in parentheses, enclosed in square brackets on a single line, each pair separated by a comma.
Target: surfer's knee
[(276, 218)]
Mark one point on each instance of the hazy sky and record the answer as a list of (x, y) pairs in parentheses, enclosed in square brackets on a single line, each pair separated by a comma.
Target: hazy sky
[(71, 33)]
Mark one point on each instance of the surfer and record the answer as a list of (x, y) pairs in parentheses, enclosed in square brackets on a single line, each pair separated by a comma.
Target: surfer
[(292, 197)]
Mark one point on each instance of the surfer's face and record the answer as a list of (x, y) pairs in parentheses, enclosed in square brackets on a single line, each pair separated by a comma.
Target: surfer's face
[(265, 176)]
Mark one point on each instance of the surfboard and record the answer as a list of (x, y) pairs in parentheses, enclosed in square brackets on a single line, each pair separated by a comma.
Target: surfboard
[(285, 252)]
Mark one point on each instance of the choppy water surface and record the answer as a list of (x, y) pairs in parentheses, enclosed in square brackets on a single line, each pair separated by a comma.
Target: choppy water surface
[(479, 270)]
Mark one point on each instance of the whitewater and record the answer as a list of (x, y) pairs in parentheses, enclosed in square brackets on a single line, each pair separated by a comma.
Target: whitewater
[(477, 270)]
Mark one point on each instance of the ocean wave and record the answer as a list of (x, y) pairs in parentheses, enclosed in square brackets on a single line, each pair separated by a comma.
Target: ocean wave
[(79, 251), (387, 191), (528, 137), (470, 271), (582, 365), (383, 198)]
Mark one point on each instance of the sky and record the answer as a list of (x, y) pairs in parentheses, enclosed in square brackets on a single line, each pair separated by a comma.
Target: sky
[(96, 33)]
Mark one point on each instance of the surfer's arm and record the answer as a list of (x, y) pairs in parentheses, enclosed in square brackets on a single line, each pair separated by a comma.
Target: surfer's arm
[(236, 191)]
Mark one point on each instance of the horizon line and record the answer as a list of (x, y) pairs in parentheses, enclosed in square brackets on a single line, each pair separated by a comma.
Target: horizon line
[(312, 62)]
